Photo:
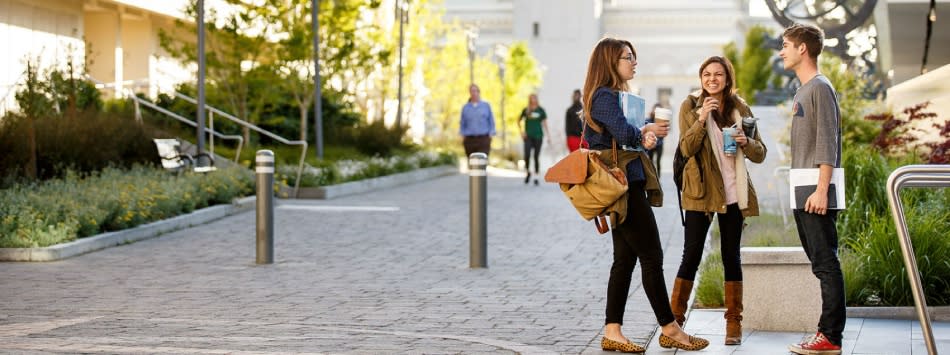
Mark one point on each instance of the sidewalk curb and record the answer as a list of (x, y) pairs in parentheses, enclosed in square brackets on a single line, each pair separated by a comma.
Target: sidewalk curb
[(367, 185), (937, 314), (110, 239)]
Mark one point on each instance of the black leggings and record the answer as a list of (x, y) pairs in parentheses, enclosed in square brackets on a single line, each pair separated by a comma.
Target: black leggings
[(532, 144), (730, 233), (637, 237)]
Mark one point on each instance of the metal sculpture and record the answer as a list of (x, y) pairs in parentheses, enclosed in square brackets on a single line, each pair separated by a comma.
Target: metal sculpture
[(842, 21)]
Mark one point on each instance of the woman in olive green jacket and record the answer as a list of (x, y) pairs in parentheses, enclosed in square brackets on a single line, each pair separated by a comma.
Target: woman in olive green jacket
[(715, 183)]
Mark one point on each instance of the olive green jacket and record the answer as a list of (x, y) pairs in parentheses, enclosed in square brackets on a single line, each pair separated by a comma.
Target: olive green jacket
[(703, 188)]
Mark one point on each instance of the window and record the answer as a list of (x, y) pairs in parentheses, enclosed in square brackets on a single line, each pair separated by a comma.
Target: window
[(663, 95), (536, 29)]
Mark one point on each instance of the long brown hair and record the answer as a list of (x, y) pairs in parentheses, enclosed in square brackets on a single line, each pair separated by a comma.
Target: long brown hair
[(602, 71), (729, 98)]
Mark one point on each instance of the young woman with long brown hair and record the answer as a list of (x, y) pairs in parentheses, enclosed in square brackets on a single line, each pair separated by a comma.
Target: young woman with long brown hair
[(715, 183), (612, 63)]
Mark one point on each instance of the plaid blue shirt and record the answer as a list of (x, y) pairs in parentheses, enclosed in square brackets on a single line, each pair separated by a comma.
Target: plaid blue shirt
[(605, 110)]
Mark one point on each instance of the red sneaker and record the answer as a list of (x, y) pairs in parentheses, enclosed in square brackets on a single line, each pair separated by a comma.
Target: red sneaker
[(817, 345)]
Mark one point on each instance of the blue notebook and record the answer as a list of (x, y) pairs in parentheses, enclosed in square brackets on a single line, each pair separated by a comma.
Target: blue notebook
[(634, 109)]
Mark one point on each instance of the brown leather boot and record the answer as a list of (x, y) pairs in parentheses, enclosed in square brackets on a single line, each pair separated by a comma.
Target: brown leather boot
[(681, 290), (733, 312)]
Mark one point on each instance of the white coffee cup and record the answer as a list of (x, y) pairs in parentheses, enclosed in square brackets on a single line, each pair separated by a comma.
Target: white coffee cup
[(662, 115)]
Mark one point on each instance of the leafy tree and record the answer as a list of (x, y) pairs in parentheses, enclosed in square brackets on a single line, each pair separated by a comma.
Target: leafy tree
[(850, 89), (274, 38), (522, 78), (753, 66), (230, 51)]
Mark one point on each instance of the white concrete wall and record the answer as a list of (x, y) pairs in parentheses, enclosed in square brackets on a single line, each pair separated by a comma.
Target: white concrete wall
[(48, 30), (934, 87), (567, 32)]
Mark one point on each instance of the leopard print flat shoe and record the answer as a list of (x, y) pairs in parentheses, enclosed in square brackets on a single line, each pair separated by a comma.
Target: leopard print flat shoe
[(628, 347), (695, 343)]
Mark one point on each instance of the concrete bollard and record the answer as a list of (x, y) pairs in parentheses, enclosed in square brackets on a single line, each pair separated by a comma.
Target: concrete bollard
[(265, 206), (477, 162)]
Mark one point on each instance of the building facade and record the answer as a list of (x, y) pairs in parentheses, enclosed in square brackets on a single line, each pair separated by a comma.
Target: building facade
[(671, 37), (116, 40)]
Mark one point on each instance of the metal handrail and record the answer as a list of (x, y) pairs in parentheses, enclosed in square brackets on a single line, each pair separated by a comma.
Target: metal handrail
[(775, 173), (915, 176), (303, 151), (128, 92), (213, 110), (239, 138)]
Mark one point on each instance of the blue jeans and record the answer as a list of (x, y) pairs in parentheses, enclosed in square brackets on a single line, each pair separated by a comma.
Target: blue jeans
[(820, 241)]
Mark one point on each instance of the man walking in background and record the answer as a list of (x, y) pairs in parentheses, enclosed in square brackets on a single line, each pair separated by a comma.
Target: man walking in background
[(816, 143), (477, 123), (572, 122)]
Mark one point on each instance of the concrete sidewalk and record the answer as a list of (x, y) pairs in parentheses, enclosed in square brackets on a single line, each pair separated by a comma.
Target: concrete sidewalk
[(381, 272), (861, 336)]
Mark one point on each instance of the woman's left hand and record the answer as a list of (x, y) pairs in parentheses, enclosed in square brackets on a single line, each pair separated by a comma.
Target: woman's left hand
[(649, 140), (741, 138)]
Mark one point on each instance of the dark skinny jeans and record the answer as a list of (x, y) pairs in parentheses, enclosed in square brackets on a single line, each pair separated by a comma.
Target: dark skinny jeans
[(819, 238), (532, 147), (637, 237), (730, 233)]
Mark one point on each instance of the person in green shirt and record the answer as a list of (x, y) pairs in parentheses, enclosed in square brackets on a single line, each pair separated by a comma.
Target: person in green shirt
[(533, 131)]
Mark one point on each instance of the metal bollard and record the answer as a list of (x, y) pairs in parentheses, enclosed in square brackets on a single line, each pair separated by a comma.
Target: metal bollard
[(477, 162), (265, 206)]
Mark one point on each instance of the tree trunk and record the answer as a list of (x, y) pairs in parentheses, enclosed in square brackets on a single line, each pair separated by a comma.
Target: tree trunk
[(31, 169), (303, 122)]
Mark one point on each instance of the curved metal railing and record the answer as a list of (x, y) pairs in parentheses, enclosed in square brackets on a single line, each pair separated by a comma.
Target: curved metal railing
[(915, 176), (303, 144), (139, 101), (213, 110), (136, 101)]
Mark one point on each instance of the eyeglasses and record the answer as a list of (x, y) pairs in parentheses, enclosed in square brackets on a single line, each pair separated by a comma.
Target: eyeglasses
[(628, 58)]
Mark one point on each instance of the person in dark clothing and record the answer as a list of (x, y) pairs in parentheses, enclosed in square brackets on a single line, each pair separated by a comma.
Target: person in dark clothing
[(816, 143), (532, 133), (657, 152), (613, 62), (572, 123)]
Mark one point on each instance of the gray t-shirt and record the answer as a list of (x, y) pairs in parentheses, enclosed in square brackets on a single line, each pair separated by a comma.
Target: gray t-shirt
[(816, 125)]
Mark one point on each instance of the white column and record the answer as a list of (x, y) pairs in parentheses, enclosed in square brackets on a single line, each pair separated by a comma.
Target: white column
[(118, 53)]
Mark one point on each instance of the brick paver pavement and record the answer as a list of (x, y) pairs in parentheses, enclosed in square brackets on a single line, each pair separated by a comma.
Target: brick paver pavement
[(380, 280)]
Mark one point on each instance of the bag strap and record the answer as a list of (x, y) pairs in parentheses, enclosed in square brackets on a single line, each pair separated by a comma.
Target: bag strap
[(584, 143), (614, 149), (601, 223)]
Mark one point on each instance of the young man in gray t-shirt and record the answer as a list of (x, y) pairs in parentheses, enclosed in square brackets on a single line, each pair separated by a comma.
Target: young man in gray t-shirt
[(816, 143)]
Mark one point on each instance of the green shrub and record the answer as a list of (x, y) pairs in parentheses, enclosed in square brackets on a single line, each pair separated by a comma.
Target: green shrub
[(870, 254), (325, 173), (709, 288), (880, 263), (86, 143), (76, 206), (376, 138)]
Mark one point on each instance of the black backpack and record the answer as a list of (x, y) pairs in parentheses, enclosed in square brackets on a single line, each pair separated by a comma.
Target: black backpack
[(679, 163)]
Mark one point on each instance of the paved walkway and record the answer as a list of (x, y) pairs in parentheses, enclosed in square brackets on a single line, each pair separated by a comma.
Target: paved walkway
[(384, 272)]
